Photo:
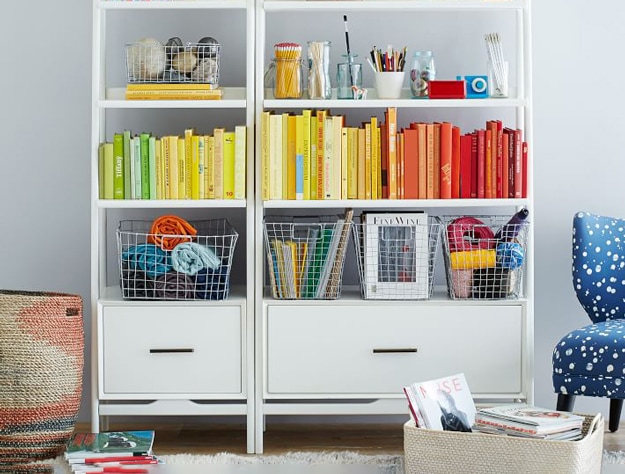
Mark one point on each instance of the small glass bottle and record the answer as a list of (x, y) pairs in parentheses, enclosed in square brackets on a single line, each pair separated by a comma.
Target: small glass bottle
[(348, 75), (422, 71), (319, 86)]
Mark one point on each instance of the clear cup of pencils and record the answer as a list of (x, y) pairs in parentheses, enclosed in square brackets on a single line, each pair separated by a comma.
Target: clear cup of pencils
[(288, 82)]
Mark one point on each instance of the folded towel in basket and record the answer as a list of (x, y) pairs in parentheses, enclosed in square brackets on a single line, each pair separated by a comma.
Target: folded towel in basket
[(190, 258), (148, 258), (136, 284), (168, 231), (212, 284), (174, 286)]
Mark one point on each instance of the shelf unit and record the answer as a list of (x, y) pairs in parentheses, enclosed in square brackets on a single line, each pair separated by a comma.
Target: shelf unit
[(315, 357), (208, 365)]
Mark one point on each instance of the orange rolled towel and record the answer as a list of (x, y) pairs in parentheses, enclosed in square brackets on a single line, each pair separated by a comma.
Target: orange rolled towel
[(169, 231)]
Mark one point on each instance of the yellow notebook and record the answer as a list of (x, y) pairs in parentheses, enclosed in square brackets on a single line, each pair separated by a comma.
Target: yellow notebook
[(218, 133), (240, 160), (228, 168)]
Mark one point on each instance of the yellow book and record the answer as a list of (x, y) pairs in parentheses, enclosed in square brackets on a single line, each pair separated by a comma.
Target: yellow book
[(391, 127), (210, 167), (182, 169), (291, 248), (328, 149), (218, 133), (166, 174), (240, 160), (352, 163), (109, 171), (313, 157), (195, 167), (174, 167), (188, 163), (344, 158), (307, 116), (299, 157), (101, 171), (302, 258), (228, 169), (201, 153), (150, 86), (337, 157), (291, 157), (321, 116), (375, 157), (285, 146), (281, 274), (361, 163), (159, 169), (165, 94), (275, 157), (265, 164), (368, 180)]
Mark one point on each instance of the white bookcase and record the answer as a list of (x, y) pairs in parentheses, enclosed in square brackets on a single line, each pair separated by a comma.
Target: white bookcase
[(319, 357), (172, 358)]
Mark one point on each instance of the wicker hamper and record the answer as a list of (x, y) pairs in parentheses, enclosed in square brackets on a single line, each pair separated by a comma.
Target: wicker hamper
[(41, 365), (433, 452)]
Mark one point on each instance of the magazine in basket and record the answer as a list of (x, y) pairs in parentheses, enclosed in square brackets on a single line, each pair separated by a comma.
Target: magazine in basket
[(442, 404)]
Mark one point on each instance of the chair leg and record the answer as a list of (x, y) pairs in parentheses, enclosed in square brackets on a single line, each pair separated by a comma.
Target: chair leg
[(616, 405), (565, 402)]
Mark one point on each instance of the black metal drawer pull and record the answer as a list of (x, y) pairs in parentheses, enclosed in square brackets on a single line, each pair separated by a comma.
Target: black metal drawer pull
[(170, 351), (394, 351)]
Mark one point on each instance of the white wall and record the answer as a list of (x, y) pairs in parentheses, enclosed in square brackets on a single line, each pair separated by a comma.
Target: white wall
[(45, 128)]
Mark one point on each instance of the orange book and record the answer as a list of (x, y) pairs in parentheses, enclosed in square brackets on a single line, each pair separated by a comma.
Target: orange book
[(446, 145), (368, 193), (411, 163), (466, 174), (391, 130), (384, 175), (401, 170), (437, 160), (488, 164), (455, 162), (361, 163), (375, 158), (422, 156), (505, 142), (429, 159)]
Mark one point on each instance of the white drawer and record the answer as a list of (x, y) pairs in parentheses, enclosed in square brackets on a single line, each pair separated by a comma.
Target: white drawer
[(148, 349), (351, 349)]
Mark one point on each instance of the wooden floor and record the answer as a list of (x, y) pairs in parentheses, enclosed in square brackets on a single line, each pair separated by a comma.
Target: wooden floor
[(280, 439)]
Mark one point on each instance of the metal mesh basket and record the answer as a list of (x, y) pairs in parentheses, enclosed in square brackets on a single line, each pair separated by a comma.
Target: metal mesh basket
[(197, 268), (484, 257), (306, 256), (396, 255), (153, 62)]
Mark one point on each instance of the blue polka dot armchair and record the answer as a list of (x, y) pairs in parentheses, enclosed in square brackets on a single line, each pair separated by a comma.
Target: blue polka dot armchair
[(590, 361)]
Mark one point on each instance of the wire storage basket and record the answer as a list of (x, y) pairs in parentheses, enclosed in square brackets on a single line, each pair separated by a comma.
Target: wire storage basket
[(484, 257), (155, 266), (396, 254), (306, 256), (149, 61)]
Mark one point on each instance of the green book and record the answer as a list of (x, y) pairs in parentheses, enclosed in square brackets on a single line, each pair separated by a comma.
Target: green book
[(118, 176), (321, 251), (152, 165), (145, 165), (136, 169), (127, 166)]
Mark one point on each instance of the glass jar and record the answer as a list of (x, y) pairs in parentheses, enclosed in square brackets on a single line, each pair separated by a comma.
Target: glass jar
[(422, 71), (286, 78), (319, 86), (348, 75)]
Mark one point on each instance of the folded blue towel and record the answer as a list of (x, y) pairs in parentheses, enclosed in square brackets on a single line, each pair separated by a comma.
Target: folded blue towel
[(190, 258), (213, 284), (148, 258)]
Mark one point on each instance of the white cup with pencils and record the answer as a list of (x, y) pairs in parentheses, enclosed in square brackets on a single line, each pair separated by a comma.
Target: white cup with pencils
[(388, 84)]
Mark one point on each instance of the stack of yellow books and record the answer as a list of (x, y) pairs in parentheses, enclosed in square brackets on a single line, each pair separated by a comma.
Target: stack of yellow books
[(181, 91)]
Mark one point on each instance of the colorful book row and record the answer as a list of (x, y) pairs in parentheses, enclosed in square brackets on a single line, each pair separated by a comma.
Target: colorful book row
[(174, 167), (315, 156)]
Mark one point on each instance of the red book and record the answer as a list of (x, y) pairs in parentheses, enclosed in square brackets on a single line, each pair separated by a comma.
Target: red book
[(499, 163), (411, 163), (505, 141), (466, 145), (510, 133), (481, 164), (445, 160), (489, 178), (455, 162), (524, 170), (518, 163), (474, 165)]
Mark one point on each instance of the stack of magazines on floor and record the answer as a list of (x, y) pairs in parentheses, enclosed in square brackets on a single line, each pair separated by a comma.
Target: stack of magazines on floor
[(529, 422), (113, 451), (446, 404)]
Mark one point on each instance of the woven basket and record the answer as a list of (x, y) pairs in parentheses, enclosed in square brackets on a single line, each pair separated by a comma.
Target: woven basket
[(444, 452), (41, 369)]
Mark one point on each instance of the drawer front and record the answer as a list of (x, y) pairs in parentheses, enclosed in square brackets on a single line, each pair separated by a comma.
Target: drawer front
[(360, 350), (171, 349)]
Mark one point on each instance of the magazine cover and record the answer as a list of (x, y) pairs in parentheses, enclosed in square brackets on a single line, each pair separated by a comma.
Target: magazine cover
[(446, 404), (535, 418), (110, 443)]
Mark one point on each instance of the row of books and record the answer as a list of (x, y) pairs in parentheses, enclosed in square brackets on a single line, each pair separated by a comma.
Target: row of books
[(306, 259), (314, 155), (112, 451), (446, 404), (192, 166)]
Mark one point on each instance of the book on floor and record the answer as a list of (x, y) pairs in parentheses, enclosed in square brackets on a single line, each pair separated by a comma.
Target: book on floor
[(83, 446)]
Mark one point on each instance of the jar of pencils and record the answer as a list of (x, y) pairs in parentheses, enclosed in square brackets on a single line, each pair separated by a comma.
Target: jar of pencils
[(319, 86), (285, 73)]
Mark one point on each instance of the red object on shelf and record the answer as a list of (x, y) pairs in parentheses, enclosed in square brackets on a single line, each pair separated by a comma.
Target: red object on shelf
[(447, 89)]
